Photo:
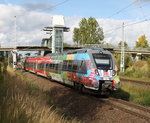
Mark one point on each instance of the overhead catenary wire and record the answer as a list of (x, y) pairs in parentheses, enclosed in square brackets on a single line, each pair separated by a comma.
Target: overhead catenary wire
[(144, 16), (139, 7), (61, 3), (123, 9), (126, 25)]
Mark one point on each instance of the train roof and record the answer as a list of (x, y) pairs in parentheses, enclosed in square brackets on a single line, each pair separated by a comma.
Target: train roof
[(84, 50)]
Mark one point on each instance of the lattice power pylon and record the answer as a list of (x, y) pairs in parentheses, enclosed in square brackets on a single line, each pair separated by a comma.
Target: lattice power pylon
[(122, 51)]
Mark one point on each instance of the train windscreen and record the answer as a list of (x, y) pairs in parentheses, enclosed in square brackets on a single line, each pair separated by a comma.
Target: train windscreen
[(103, 61)]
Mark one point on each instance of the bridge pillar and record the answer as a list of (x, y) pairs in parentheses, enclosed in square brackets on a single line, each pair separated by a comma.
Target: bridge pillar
[(138, 56), (14, 54)]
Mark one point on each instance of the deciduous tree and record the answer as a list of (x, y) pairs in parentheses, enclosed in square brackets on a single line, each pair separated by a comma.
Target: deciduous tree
[(142, 42), (88, 32), (125, 44)]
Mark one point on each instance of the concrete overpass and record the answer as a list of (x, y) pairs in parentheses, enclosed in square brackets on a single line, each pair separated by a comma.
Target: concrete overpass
[(27, 48), (43, 48), (141, 52)]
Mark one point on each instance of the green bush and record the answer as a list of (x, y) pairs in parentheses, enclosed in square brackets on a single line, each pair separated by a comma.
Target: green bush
[(140, 69), (128, 60)]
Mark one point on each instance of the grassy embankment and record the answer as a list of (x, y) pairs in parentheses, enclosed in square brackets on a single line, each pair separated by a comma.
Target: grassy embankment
[(140, 70), (25, 102), (135, 93)]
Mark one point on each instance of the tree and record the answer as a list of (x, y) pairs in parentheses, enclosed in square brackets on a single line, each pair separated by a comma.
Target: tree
[(125, 44), (88, 32), (142, 42), (76, 36), (66, 44)]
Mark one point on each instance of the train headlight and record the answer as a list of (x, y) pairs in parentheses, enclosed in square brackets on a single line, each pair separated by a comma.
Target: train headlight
[(96, 72), (114, 73)]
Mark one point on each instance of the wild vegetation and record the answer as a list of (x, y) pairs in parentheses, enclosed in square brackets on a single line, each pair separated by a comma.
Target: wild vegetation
[(21, 101), (142, 42), (133, 93), (136, 70), (128, 60), (139, 70)]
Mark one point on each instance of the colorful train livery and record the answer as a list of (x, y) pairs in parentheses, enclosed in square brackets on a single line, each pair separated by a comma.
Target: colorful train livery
[(94, 69)]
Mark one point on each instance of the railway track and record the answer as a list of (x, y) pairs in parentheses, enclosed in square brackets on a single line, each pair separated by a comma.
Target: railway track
[(135, 81), (128, 107)]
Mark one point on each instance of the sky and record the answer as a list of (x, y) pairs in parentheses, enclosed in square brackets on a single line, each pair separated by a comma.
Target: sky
[(33, 15)]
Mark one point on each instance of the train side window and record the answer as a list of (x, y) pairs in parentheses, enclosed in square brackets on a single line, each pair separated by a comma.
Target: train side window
[(75, 66), (34, 65), (47, 66), (40, 66), (53, 66), (56, 66), (64, 67), (79, 67), (82, 68), (43, 66), (60, 66), (50, 65), (70, 65), (37, 66)]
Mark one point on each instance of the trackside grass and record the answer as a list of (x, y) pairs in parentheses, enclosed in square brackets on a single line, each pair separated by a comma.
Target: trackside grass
[(140, 70), (133, 93), (24, 102)]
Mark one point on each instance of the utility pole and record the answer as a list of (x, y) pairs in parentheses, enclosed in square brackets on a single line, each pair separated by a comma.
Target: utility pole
[(15, 29), (122, 50)]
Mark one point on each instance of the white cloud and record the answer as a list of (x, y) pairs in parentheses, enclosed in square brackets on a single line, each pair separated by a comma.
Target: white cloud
[(113, 31), (30, 24), (3, 37)]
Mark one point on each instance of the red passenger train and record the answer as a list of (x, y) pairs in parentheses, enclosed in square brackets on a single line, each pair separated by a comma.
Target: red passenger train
[(93, 69)]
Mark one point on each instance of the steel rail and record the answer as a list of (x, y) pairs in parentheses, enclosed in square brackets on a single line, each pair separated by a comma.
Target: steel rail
[(135, 81), (128, 107)]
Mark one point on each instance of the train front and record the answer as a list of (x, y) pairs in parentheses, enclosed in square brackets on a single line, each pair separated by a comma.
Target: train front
[(106, 71)]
